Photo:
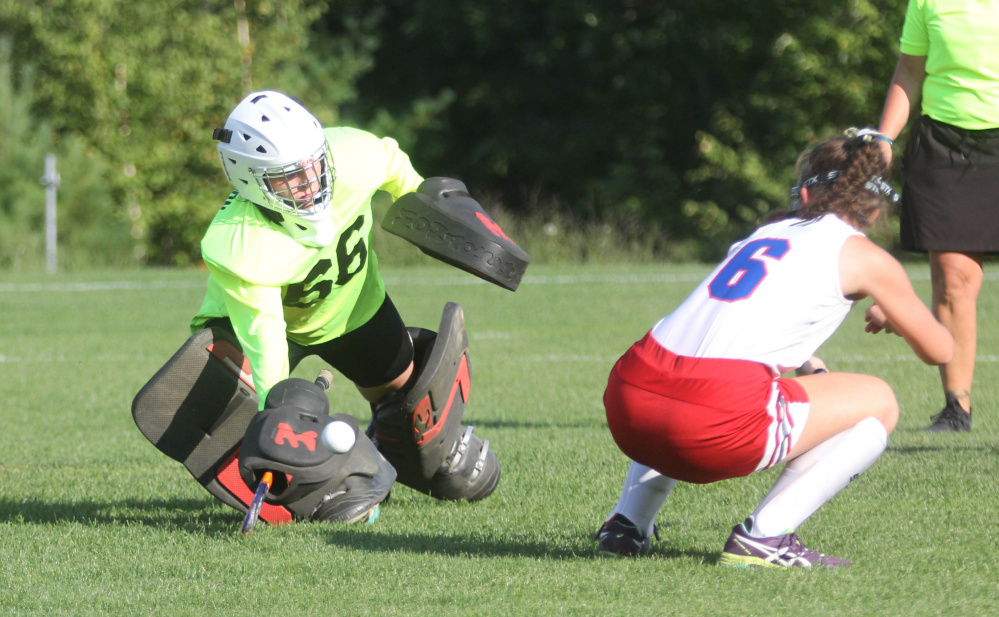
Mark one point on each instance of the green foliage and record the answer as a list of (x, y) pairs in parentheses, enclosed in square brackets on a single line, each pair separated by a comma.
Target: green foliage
[(686, 115), (691, 113), (23, 146), (145, 83), (93, 229), (90, 231), (815, 69), (552, 234)]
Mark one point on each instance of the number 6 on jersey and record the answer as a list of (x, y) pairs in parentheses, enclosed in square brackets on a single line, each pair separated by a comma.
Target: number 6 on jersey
[(746, 269)]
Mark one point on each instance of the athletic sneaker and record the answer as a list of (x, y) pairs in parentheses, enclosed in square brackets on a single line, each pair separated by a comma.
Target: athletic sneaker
[(951, 419), (619, 537), (787, 551)]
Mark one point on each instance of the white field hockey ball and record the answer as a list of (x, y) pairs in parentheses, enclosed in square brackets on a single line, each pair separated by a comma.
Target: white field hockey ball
[(339, 437)]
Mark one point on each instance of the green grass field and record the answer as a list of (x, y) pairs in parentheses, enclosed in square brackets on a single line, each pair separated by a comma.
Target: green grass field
[(95, 521)]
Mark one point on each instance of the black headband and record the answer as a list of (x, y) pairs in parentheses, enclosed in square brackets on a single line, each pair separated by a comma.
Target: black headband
[(876, 185)]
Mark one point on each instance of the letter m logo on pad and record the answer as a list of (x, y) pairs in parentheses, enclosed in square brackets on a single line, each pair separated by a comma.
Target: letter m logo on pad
[(285, 434)]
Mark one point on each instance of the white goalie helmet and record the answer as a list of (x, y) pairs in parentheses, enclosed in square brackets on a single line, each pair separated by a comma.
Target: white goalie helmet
[(275, 153)]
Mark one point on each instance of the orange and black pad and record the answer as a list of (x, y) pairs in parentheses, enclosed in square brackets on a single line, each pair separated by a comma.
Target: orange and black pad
[(196, 409), (445, 222), (419, 428)]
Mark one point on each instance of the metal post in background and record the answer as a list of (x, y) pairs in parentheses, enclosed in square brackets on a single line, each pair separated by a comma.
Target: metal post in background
[(245, 51), (51, 182)]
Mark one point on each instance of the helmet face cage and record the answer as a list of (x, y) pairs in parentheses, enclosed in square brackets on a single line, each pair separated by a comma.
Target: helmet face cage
[(302, 187), (275, 153)]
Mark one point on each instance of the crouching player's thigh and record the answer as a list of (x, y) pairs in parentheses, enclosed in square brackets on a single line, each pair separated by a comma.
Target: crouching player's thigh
[(838, 401)]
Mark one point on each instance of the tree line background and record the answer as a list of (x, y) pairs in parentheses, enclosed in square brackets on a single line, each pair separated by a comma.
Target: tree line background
[(674, 124)]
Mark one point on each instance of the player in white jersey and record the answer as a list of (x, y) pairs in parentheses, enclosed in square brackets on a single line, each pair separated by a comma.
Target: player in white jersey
[(701, 398)]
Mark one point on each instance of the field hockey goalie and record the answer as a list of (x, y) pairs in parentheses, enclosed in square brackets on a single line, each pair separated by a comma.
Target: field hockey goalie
[(419, 429)]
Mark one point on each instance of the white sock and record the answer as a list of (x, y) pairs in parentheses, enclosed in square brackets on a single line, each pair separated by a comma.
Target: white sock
[(644, 493), (797, 466), (812, 479)]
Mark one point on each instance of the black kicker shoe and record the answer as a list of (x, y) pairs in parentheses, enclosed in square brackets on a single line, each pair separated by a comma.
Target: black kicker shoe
[(619, 537), (951, 419)]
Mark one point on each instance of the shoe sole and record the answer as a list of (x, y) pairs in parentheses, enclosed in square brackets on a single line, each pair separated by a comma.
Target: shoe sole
[(606, 553), (728, 560), (369, 517)]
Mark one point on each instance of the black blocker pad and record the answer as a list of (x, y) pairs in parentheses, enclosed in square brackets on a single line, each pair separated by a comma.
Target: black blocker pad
[(196, 410), (443, 221)]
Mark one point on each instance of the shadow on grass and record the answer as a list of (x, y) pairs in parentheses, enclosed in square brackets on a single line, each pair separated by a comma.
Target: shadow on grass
[(708, 559), (189, 515), (193, 517), (452, 545)]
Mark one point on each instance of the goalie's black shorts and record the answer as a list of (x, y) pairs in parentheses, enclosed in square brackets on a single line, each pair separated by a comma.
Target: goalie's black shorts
[(950, 193), (372, 355)]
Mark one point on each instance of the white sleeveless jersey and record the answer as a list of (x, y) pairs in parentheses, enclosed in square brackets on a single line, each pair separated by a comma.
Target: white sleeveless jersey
[(774, 300)]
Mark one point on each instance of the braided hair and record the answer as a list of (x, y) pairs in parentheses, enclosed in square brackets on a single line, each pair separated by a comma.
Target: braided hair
[(844, 176)]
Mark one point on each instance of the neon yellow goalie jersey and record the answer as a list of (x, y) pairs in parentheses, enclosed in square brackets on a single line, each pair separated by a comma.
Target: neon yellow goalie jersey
[(273, 288)]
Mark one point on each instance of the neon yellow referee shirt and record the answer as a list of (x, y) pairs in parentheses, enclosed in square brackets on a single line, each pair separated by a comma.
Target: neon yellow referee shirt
[(960, 39)]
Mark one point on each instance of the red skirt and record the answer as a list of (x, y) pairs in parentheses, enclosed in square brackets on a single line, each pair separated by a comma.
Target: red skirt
[(700, 419)]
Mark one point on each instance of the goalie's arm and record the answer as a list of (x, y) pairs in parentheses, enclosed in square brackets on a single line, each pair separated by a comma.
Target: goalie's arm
[(257, 319), (400, 177)]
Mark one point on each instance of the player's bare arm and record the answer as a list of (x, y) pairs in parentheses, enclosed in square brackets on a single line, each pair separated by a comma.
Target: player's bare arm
[(867, 270), (904, 94)]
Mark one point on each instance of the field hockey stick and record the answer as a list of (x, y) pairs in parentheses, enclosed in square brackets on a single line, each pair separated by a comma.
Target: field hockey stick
[(258, 502)]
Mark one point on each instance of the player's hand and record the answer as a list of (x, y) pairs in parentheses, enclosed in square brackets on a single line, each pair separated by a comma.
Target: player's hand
[(876, 321), (812, 366)]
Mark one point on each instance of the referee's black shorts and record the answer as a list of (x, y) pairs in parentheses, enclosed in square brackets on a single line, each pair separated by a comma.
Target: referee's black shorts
[(950, 190)]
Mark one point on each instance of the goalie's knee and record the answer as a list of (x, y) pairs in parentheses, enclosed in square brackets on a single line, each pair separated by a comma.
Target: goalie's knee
[(419, 429)]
